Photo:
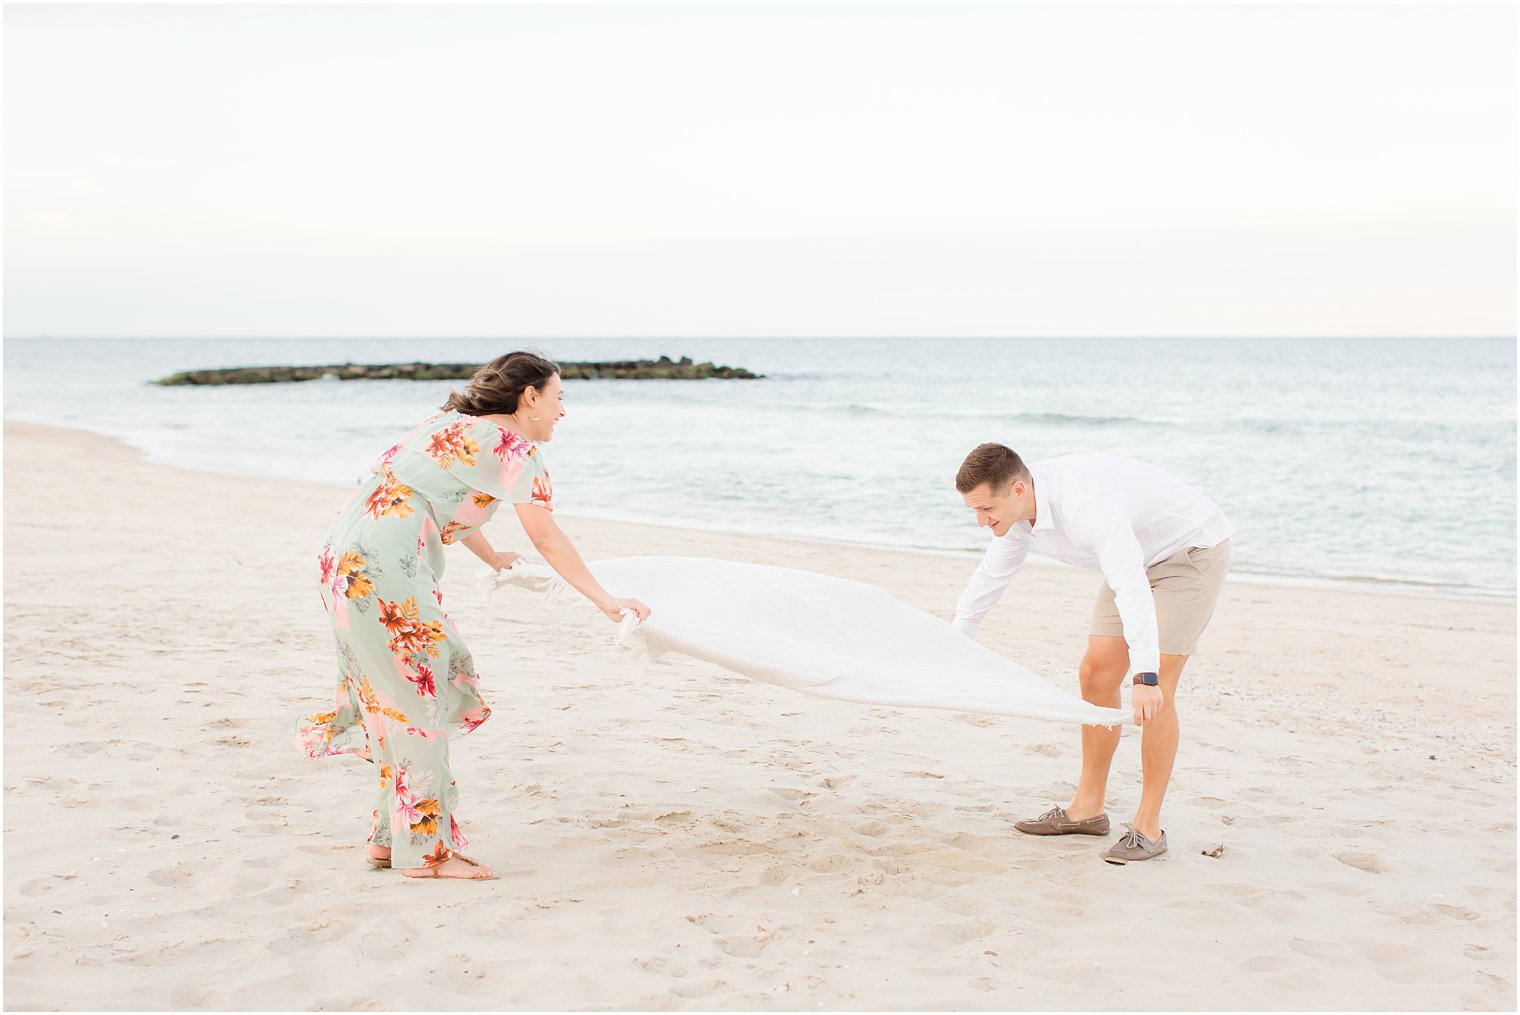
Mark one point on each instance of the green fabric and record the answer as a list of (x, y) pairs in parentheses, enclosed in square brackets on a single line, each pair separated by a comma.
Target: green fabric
[(405, 677)]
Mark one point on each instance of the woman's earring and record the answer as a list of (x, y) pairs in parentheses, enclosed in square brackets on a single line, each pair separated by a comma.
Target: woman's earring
[(535, 418)]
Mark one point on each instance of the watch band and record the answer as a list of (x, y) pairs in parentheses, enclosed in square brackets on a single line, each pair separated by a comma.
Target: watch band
[(1148, 679)]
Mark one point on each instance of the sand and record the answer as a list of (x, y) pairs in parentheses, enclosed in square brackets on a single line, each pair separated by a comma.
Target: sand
[(686, 839)]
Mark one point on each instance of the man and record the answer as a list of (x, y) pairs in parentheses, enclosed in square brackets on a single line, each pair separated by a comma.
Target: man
[(1163, 549)]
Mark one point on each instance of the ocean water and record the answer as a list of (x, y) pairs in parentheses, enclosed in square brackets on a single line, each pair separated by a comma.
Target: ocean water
[(1368, 460)]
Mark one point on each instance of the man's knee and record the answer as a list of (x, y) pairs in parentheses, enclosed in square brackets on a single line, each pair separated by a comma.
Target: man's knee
[(1103, 667)]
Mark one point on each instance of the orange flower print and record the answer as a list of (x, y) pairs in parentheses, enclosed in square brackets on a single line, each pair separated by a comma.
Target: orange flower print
[(390, 499), (543, 493), (351, 577), (483, 500), (438, 857), (359, 586), (452, 444), (421, 638), (393, 616), (410, 634), (448, 532), (427, 824), (369, 700)]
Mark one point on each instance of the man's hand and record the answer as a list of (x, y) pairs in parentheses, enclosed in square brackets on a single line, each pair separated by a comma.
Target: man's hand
[(1147, 702)]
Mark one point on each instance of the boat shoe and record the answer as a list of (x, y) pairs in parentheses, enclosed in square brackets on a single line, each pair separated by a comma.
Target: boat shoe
[(1134, 845), (1055, 822)]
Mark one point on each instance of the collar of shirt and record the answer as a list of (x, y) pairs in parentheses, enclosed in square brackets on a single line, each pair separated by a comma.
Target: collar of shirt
[(1044, 518)]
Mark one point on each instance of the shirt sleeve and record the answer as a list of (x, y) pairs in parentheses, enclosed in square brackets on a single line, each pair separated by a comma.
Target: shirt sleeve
[(999, 565), (494, 461), (1103, 523)]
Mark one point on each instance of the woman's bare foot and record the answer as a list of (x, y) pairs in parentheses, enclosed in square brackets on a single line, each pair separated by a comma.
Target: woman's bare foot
[(380, 852), (455, 866)]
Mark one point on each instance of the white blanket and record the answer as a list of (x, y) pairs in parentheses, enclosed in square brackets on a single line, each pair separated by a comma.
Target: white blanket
[(816, 634)]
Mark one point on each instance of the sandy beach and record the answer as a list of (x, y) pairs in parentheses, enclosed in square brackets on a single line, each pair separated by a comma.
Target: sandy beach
[(682, 838)]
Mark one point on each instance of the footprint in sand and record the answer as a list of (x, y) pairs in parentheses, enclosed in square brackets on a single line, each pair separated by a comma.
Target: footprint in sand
[(696, 990), (41, 886), (1455, 912), (171, 877), (1316, 949), (300, 942), (1369, 862), (1396, 962)]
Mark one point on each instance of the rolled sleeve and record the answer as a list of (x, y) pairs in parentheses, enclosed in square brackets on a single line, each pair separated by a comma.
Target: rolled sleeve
[(997, 569)]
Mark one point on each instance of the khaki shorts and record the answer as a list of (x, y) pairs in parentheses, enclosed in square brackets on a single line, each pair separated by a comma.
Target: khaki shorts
[(1185, 587)]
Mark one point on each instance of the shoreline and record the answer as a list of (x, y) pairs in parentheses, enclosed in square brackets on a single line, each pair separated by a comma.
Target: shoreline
[(677, 837), (1358, 584)]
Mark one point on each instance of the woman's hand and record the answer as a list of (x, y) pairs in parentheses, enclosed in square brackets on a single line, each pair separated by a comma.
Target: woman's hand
[(505, 559), (614, 609)]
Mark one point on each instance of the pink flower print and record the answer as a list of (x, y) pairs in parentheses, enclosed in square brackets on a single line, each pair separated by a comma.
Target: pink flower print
[(423, 678), (406, 803), (511, 446), (474, 717), (327, 560), (460, 842), (438, 595), (407, 812), (334, 587)]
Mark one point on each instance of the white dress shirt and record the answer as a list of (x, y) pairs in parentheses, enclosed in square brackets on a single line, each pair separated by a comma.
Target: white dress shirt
[(1109, 514)]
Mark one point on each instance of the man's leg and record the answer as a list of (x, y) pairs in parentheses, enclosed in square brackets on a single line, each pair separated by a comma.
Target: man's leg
[(1102, 673), (1158, 749)]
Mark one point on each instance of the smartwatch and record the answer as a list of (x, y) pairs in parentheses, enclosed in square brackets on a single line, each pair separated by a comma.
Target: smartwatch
[(1148, 679)]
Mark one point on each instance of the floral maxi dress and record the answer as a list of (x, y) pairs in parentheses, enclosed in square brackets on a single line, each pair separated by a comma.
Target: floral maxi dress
[(405, 677)]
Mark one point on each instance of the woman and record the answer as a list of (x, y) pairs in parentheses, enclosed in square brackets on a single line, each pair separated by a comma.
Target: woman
[(405, 677)]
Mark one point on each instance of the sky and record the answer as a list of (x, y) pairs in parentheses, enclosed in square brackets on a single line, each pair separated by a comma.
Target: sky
[(753, 170)]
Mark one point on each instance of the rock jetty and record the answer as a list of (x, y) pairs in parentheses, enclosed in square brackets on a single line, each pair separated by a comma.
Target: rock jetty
[(662, 369)]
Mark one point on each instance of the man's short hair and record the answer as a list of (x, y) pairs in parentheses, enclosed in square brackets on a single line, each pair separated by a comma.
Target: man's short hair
[(993, 464)]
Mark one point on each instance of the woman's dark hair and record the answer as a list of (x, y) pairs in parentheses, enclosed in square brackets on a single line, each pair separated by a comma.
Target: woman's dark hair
[(498, 385)]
